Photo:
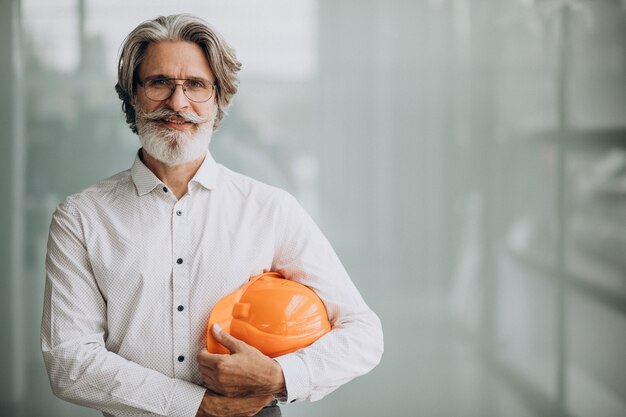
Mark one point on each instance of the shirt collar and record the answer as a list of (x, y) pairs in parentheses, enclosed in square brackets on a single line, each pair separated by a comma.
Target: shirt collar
[(145, 180), (206, 175)]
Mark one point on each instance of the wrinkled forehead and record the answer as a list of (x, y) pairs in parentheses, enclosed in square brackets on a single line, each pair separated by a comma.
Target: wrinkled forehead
[(175, 59)]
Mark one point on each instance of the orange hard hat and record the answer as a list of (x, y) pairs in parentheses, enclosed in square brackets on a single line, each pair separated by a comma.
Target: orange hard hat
[(271, 313)]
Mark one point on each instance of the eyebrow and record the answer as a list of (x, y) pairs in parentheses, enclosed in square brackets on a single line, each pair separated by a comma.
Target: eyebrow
[(193, 78)]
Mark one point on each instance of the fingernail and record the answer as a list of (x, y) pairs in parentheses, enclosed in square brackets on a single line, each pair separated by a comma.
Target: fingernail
[(217, 328)]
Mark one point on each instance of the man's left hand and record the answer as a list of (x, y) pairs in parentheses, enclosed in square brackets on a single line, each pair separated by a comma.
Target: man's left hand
[(244, 372)]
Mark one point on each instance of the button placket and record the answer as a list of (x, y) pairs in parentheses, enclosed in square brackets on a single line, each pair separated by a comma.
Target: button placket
[(180, 296), (166, 194)]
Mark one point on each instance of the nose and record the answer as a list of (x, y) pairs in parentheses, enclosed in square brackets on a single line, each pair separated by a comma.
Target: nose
[(178, 100)]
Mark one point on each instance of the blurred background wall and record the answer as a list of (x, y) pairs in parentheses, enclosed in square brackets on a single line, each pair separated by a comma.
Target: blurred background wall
[(467, 158)]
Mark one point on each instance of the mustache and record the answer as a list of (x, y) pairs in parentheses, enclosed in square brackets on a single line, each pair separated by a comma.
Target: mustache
[(165, 113)]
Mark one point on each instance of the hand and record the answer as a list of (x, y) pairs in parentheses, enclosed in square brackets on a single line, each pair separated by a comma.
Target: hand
[(245, 372), (214, 405)]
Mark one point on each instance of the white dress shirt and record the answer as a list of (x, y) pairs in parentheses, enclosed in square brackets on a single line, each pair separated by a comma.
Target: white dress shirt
[(132, 274)]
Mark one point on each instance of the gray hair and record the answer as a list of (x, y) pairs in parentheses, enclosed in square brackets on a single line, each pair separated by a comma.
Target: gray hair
[(179, 27)]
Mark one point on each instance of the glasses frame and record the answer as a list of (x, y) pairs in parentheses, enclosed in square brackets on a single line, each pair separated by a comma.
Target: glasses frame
[(175, 84)]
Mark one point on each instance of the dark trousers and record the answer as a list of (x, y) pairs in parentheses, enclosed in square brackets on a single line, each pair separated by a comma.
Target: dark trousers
[(272, 410)]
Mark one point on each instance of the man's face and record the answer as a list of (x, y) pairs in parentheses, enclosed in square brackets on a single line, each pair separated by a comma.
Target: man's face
[(180, 60), (175, 130)]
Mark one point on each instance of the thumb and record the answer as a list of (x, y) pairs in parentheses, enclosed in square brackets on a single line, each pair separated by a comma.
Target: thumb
[(231, 343)]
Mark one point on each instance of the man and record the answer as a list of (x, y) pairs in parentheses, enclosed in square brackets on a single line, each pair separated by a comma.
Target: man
[(136, 262)]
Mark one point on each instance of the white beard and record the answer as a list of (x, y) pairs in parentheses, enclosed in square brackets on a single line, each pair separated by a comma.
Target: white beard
[(170, 146)]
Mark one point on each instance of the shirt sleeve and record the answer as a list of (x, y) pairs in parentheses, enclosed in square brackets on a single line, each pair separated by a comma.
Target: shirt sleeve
[(73, 328), (354, 345)]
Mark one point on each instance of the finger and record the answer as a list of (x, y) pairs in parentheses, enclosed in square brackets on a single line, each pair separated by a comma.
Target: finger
[(229, 342), (206, 359)]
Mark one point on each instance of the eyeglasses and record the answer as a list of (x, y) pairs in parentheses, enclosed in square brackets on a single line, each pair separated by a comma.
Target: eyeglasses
[(161, 88)]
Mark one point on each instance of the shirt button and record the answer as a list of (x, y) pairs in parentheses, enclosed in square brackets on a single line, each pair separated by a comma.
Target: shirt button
[(180, 308), (164, 189), (181, 358), (179, 261), (179, 213)]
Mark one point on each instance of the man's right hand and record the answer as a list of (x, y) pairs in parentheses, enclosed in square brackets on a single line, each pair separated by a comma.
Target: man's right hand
[(214, 405)]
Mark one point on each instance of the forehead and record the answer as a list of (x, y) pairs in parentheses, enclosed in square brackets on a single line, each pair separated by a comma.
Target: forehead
[(175, 59)]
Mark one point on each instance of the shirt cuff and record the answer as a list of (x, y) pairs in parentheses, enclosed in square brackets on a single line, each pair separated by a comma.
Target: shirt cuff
[(296, 377), (186, 399)]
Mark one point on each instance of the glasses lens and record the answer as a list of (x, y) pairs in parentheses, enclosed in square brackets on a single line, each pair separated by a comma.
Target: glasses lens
[(159, 88), (198, 91)]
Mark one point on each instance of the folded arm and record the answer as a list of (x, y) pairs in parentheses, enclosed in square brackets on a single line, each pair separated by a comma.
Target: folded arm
[(80, 368), (355, 344)]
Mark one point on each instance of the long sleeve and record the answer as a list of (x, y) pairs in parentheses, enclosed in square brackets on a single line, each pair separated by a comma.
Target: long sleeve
[(132, 274), (355, 344), (73, 334)]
